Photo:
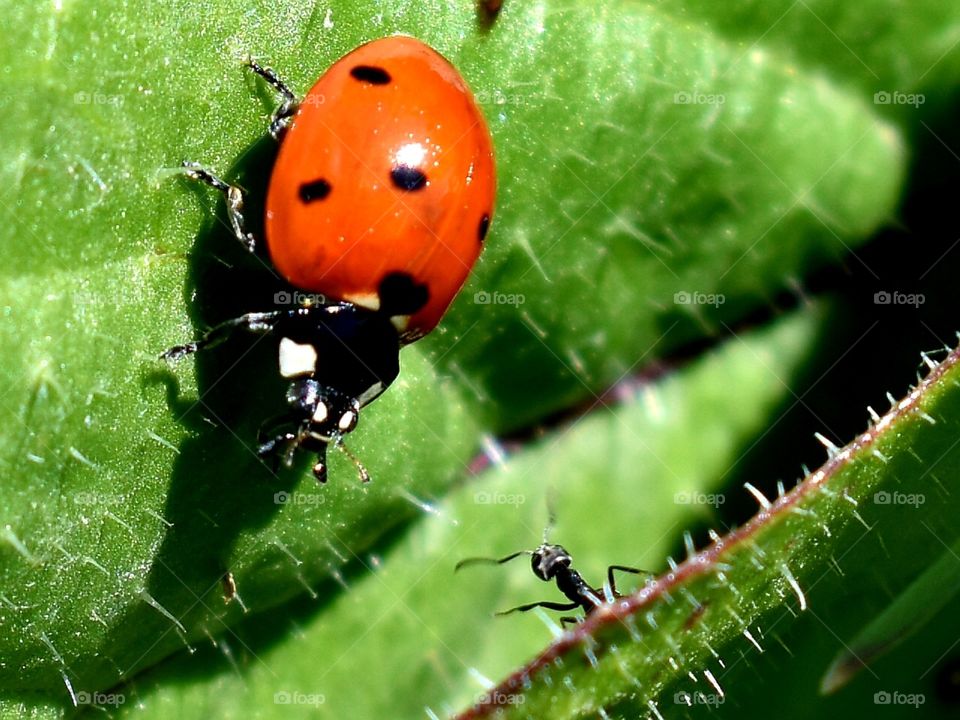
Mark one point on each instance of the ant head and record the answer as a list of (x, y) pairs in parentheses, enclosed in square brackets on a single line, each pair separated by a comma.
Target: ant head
[(547, 560)]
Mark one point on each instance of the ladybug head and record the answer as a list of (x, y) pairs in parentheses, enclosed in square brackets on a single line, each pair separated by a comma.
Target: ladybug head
[(330, 413), (547, 560)]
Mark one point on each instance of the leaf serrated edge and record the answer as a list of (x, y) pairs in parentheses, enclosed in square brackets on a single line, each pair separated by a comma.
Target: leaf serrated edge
[(701, 562)]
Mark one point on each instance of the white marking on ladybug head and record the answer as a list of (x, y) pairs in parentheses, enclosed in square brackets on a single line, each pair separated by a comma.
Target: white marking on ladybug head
[(297, 359), (347, 421), (320, 414)]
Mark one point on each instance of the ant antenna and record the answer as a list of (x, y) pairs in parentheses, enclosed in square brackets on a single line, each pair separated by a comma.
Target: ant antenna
[(490, 561), (551, 501)]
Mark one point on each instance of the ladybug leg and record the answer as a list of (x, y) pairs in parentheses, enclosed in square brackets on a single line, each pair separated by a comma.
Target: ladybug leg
[(320, 466), (361, 470), (233, 195), (261, 322), (277, 450), (282, 446), (288, 106), (270, 450)]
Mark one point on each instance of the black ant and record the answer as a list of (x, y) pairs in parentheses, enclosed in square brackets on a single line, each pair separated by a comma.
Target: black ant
[(553, 562)]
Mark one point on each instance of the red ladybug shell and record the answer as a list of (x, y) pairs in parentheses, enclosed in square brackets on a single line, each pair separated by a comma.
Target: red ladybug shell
[(383, 188)]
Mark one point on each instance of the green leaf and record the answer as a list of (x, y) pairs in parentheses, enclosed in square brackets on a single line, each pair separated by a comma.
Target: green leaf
[(129, 489), (812, 543), (432, 632), (916, 606), (862, 43)]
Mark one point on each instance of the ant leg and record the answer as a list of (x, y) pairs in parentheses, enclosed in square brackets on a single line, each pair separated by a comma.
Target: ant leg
[(234, 198), (568, 620), (545, 604), (622, 568), (257, 322), (288, 107)]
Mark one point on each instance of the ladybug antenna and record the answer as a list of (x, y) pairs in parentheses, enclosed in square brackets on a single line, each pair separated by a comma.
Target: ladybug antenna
[(361, 470), (490, 561)]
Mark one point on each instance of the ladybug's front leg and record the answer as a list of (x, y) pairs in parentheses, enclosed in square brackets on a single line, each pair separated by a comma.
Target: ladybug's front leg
[(258, 322), (320, 466), (278, 443), (234, 198)]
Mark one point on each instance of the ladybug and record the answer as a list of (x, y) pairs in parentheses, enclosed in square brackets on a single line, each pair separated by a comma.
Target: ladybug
[(380, 200)]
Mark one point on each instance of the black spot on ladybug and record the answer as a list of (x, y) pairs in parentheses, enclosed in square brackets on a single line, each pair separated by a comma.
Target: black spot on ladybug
[(314, 190), (371, 74), (408, 178), (401, 295), (484, 226)]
